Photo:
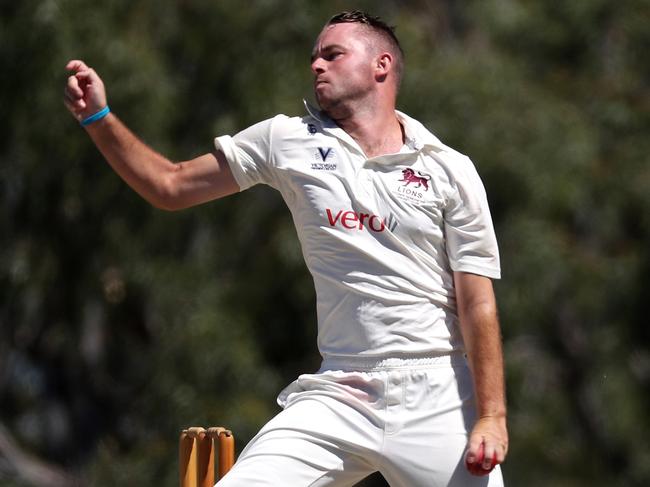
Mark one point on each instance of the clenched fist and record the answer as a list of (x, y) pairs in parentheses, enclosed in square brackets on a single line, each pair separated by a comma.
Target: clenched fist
[(84, 93)]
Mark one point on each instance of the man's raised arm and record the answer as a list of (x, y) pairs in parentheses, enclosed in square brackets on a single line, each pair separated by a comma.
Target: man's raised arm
[(164, 184)]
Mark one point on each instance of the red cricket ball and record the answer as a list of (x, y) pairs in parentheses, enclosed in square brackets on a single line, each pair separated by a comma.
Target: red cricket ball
[(476, 468)]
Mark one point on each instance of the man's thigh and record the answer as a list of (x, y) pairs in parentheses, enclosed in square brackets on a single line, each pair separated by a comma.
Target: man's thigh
[(314, 442), (441, 465), (429, 438)]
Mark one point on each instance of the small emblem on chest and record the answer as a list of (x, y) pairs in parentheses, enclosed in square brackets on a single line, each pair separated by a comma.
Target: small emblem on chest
[(414, 188), (324, 159), (420, 179)]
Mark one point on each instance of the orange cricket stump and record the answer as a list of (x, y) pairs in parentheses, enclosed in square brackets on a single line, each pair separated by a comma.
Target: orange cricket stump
[(197, 448)]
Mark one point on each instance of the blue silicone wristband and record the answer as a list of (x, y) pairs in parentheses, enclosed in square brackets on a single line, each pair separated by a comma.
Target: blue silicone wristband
[(96, 116)]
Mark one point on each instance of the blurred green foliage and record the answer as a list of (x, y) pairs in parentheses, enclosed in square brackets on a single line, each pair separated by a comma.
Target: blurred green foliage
[(121, 324)]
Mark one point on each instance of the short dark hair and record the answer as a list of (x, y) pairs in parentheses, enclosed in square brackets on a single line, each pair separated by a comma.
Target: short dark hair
[(379, 27)]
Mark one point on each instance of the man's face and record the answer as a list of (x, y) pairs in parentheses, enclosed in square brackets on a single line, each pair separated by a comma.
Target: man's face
[(342, 66)]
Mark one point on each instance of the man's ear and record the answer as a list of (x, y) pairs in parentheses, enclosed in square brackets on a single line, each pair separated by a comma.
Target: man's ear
[(383, 65)]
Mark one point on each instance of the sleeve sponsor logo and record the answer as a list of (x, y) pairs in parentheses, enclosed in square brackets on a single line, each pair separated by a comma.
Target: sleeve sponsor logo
[(324, 159), (358, 221), (325, 152)]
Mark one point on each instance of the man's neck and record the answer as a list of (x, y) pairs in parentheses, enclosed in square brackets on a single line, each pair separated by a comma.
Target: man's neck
[(376, 129)]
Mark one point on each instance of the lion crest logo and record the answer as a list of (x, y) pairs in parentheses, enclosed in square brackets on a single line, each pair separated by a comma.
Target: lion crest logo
[(409, 176)]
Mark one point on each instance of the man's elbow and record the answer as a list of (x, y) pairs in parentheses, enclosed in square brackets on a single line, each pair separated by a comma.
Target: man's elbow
[(480, 310), (163, 204), (166, 195)]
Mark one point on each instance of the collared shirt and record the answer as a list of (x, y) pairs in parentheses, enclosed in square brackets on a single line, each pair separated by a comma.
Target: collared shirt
[(381, 236)]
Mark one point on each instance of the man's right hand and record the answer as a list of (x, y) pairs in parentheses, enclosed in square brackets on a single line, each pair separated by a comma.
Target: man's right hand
[(84, 92)]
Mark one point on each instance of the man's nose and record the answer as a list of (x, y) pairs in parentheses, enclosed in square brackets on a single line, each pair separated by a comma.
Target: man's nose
[(318, 65)]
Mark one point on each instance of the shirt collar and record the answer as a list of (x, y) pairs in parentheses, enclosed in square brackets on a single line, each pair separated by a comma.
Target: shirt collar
[(416, 134), (330, 125), (319, 115)]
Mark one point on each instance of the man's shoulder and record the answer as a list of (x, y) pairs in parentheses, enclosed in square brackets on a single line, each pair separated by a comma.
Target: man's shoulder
[(292, 123), (291, 131), (279, 127)]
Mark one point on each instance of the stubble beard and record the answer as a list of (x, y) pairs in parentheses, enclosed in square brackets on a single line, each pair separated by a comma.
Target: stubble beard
[(343, 105)]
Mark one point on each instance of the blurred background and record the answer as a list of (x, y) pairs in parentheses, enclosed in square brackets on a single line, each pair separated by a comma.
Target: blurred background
[(121, 324)]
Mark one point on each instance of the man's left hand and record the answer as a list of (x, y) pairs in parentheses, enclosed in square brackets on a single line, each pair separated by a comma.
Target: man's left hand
[(487, 446)]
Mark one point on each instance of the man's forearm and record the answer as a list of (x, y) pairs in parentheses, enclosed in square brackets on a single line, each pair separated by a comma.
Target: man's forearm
[(484, 352), (142, 168)]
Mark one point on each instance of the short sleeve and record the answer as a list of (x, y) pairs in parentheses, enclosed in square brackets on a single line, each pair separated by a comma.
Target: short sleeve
[(249, 154), (471, 241)]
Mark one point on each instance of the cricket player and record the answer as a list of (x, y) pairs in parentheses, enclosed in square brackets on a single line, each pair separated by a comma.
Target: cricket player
[(396, 231)]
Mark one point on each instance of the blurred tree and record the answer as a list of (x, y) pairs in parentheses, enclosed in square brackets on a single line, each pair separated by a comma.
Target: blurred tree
[(120, 324)]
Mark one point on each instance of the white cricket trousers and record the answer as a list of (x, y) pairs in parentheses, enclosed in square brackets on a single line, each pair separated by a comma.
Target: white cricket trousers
[(406, 418)]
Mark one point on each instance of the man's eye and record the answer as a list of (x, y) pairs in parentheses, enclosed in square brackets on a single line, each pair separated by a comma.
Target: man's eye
[(333, 55)]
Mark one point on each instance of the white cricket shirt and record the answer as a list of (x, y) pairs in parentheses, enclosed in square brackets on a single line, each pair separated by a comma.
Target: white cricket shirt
[(380, 236)]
